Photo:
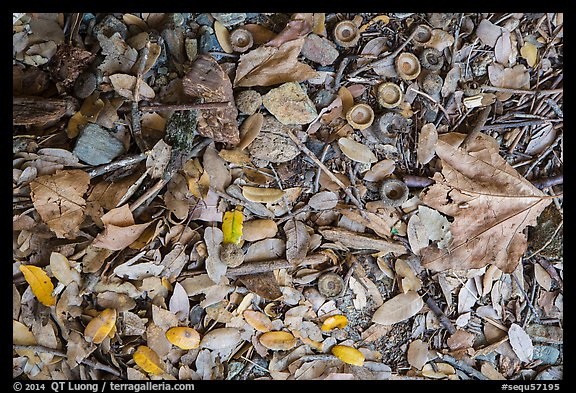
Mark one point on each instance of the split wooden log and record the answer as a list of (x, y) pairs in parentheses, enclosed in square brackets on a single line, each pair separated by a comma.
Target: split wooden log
[(361, 241), (39, 110)]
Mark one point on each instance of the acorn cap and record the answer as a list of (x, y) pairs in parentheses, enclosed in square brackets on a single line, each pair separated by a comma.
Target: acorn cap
[(330, 285), (407, 66), (360, 116), (423, 34), (394, 192), (346, 33), (241, 40), (431, 59), (432, 84), (389, 95)]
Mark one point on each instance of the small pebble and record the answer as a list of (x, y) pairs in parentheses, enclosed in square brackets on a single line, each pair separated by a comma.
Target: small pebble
[(85, 84), (290, 104), (97, 146)]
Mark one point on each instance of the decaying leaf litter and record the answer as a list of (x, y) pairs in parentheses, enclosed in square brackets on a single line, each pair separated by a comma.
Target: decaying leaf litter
[(287, 196)]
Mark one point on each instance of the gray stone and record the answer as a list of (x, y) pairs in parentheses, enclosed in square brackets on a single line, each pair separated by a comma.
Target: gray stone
[(248, 101), (97, 146), (319, 50), (229, 18), (110, 25), (272, 143), (290, 104), (547, 354)]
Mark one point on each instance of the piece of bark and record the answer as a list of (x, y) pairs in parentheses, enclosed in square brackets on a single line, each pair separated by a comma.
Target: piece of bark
[(68, 63), (267, 266), (262, 284), (207, 80), (38, 110), (361, 241)]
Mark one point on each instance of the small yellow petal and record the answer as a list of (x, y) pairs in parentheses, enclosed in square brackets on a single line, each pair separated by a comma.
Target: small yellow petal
[(335, 321), (348, 355)]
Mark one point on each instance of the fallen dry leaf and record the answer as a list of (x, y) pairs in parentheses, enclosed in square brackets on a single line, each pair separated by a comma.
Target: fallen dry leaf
[(399, 308), (417, 354), (148, 360), (348, 355), (262, 195), (58, 198), (119, 229), (521, 342), (267, 65), (356, 151), (297, 240), (480, 183), (124, 85), (427, 139), (40, 284), (278, 340), (183, 337), (100, 326)]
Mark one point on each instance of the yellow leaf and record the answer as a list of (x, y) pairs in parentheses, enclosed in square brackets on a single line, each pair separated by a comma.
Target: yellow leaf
[(183, 337), (380, 18), (258, 320), (348, 355), (530, 52), (76, 121), (232, 226), (235, 156), (335, 321), (278, 340), (262, 195), (148, 360), (40, 283), (100, 326), (223, 37)]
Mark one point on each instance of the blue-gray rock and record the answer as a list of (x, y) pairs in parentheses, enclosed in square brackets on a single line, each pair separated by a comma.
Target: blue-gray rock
[(229, 19), (547, 354), (97, 146), (110, 25), (203, 19)]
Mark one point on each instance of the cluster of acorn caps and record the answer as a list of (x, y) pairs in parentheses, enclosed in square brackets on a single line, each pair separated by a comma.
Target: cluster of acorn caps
[(408, 67)]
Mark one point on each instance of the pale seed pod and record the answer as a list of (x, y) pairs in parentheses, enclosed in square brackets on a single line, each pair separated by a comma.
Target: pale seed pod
[(407, 66), (394, 192), (346, 33), (389, 95), (241, 40), (360, 116)]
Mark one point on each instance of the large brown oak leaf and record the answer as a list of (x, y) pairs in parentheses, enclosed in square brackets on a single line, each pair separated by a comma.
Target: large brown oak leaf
[(491, 204)]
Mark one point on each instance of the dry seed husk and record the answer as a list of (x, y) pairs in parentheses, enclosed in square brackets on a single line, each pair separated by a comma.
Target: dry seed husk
[(330, 285)]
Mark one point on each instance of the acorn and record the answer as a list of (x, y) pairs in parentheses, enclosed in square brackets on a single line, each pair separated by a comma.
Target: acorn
[(394, 192), (432, 84), (241, 40), (407, 66), (331, 285), (431, 59), (346, 33), (360, 116), (422, 34), (389, 95)]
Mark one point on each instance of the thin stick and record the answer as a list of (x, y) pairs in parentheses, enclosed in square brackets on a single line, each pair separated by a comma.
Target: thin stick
[(136, 115), (482, 118), (149, 194), (521, 91), (183, 107), (56, 352), (268, 266), (464, 367), (384, 59), (439, 105), (313, 157), (319, 171), (548, 242), (444, 321), (130, 160)]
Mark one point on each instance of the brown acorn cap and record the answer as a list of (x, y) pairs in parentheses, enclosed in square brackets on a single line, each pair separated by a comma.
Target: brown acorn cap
[(407, 66), (423, 34), (431, 59), (360, 116), (389, 95), (394, 192), (346, 33), (241, 40), (330, 285)]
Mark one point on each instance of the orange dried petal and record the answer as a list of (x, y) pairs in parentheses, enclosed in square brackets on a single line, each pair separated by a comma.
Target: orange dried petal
[(278, 340), (148, 360), (335, 321), (258, 320), (183, 337), (100, 326), (348, 355)]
